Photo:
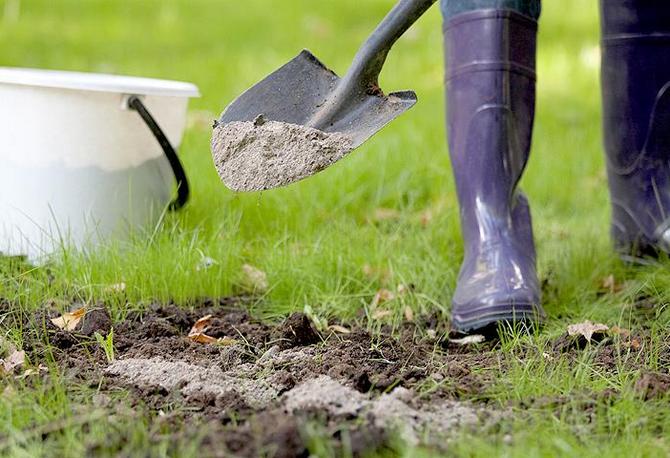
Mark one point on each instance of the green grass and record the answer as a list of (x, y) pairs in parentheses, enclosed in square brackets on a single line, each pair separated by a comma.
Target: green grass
[(314, 238)]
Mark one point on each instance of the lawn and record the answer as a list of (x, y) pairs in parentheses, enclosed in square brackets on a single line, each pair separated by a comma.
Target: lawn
[(385, 216)]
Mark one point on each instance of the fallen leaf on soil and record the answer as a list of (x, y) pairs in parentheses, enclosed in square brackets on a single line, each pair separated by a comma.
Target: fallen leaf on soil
[(15, 359), (403, 289), (610, 284), (69, 321), (205, 339), (383, 295), (587, 329), (197, 333), (202, 338), (409, 314), (635, 344), (33, 371), (620, 331), (339, 329), (469, 340), (200, 325), (255, 278), (380, 313)]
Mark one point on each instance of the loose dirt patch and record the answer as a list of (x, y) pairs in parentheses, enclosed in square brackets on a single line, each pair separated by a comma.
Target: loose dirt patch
[(261, 392), (257, 394)]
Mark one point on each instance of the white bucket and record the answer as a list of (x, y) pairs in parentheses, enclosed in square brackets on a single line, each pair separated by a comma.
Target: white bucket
[(77, 164)]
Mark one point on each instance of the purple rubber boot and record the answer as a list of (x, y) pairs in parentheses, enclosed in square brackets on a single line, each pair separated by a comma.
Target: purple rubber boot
[(490, 59), (636, 123)]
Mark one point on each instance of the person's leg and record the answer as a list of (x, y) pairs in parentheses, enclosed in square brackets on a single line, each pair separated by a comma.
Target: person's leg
[(636, 123), (490, 81)]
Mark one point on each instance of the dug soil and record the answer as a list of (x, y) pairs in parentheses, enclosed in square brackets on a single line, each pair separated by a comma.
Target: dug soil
[(259, 389)]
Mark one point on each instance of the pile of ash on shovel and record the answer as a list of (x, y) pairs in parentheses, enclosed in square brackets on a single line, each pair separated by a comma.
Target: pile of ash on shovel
[(254, 388), (261, 154)]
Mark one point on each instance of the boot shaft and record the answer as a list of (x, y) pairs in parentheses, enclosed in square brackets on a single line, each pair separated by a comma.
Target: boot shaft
[(490, 82), (635, 68), (636, 123)]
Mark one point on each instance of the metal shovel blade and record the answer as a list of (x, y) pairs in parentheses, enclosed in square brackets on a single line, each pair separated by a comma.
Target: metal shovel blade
[(304, 97), (297, 91)]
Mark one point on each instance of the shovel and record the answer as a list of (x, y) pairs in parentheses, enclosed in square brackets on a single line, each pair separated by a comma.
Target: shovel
[(305, 92)]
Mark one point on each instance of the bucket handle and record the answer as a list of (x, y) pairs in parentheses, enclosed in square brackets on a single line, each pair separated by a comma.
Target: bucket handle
[(133, 102)]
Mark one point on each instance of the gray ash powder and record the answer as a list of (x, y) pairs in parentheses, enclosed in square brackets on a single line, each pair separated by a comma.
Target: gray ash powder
[(258, 155)]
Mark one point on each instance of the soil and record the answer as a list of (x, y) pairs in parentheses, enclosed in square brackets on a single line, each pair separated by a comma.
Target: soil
[(256, 392), (261, 154)]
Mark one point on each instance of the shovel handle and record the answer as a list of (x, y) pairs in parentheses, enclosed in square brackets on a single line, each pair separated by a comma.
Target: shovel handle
[(363, 75), (370, 58)]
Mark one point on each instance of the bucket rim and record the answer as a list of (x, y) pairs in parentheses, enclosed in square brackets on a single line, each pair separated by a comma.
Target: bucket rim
[(98, 82)]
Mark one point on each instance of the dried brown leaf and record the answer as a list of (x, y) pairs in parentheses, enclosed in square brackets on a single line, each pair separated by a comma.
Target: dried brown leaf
[(15, 359), (383, 295), (202, 338), (402, 289), (255, 279), (409, 313), (587, 329), (69, 321), (197, 333), (205, 339), (380, 314), (33, 371), (200, 325), (339, 329), (610, 284), (620, 331)]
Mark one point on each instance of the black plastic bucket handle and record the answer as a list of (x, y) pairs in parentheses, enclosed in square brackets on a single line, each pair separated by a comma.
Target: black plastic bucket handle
[(183, 190)]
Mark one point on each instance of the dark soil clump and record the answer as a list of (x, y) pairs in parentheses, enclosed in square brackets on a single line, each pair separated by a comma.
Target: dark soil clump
[(652, 385), (297, 331)]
